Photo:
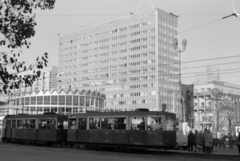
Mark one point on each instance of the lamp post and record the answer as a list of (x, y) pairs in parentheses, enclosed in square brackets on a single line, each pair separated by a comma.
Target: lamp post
[(177, 49)]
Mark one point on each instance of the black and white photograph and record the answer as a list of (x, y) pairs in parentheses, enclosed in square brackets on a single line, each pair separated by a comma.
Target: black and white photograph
[(132, 80)]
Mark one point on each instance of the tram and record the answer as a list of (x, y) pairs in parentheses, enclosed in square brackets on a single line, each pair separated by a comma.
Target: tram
[(124, 130), (47, 128), (141, 129)]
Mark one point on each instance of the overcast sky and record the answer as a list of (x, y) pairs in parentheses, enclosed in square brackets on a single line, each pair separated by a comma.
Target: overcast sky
[(200, 23)]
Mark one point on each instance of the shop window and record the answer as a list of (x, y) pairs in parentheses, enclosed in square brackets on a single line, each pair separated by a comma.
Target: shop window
[(46, 100), (39, 100)]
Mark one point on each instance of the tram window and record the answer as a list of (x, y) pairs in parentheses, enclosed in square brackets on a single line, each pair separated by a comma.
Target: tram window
[(51, 124), (75, 109), (13, 124), (120, 123), (32, 124), (82, 123), (154, 123), (94, 123), (62, 124), (8, 125), (107, 123), (20, 124), (25, 124), (72, 124), (169, 122), (137, 123), (42, 124)]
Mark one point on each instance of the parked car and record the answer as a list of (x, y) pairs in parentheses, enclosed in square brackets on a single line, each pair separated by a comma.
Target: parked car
[(182, 141)]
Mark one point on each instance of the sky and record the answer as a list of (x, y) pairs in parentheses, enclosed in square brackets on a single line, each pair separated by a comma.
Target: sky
[(200, 23)]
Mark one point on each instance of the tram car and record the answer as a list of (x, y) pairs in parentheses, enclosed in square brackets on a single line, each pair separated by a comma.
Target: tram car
[(123, 130), (46, 128)]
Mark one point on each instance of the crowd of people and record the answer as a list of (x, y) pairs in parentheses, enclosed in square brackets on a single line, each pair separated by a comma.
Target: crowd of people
[(202, 141)]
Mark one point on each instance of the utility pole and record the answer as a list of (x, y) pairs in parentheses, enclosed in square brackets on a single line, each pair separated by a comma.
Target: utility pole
[(177, 49)]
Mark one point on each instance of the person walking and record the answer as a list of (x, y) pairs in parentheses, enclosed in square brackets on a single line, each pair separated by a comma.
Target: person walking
[(203, 137), (195, 140), (199, 141), (190, 140), (230, 140), (208, 141), (238, 142)]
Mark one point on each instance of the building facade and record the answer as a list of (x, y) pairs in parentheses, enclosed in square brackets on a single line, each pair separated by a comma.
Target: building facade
[(130, 59), (204, 117), (57, 101)]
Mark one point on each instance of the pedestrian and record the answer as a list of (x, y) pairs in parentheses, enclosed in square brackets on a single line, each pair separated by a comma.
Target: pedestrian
[(190, 140), (230, 140), (238, 142), (208, 141), (203, 137), (199, 141), (195, 140)]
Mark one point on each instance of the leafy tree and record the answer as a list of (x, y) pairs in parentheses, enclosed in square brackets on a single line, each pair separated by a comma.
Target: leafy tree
[(217, 98), (227, 113), (17, 25)]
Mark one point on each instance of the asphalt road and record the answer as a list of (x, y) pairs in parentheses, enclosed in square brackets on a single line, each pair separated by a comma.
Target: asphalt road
[(17, 152)]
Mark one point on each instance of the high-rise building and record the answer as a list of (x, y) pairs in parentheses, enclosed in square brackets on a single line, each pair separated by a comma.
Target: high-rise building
[(130, 59)]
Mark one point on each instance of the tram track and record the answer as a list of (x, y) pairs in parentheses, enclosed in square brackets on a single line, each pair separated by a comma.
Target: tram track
[(131, 153)]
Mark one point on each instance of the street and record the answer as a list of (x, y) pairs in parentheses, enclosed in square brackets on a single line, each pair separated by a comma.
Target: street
[(17, 152)]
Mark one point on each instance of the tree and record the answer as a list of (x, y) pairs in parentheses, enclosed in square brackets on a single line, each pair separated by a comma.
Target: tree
[(17, 25), (217, 98), (227, 113)]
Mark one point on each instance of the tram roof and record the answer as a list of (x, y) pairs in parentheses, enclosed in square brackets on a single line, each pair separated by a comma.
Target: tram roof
[(35, 116), (122, 113)]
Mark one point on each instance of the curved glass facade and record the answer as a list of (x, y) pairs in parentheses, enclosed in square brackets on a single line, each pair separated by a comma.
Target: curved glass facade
[(59, 102)]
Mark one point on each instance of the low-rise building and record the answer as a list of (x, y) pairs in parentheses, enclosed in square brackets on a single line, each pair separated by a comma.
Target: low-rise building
[(61, 101), (203, 106)]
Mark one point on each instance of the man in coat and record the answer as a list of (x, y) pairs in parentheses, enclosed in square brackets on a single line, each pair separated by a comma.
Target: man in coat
[(203, 137), (190, 140), (208, 141), (238, 142)]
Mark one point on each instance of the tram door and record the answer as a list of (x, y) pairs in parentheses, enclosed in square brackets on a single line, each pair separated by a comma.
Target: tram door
[(137, 130), (8, 129), (82, 133), (72, 129), (47, 129), (42, 129)]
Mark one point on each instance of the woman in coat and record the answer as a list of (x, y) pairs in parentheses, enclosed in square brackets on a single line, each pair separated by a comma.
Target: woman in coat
[(199, 141), (208, 141)]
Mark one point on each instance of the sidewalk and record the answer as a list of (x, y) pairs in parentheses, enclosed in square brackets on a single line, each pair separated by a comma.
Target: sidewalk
[(218, 152)]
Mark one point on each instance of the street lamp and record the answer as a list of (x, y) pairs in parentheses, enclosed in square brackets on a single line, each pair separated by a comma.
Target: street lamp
[(177, 49)]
